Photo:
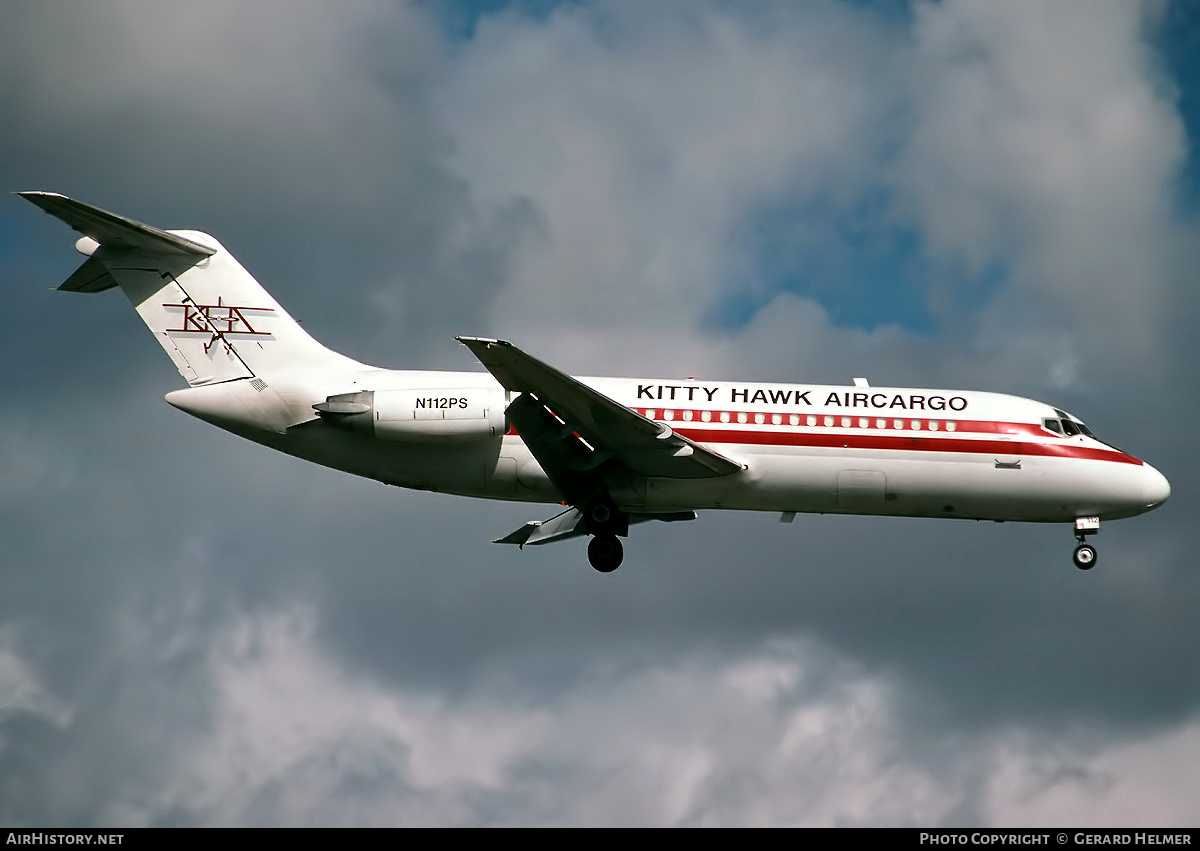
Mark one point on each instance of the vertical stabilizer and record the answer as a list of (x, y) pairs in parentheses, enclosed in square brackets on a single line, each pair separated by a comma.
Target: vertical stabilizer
[(207, 312)]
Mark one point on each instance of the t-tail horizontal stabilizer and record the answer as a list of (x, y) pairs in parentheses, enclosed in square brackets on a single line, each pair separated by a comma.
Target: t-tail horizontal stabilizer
[(112, 230), (100, 227), (208, 313)]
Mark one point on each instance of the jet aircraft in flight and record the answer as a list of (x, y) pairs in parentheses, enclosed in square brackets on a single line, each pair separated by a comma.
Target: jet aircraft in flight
[(610, 452)]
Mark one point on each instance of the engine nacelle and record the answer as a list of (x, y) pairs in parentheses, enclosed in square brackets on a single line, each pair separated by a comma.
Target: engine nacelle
[(424, 415)]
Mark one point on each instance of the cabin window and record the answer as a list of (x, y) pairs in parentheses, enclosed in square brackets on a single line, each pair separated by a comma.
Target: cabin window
[(881, 423), (668, 415), (776, 419), (897, 423), (742, 416), (650, 413), (794, 419), (687, 415), (828, 421), (846, 422), (951, 425), (916, 424), (933, 425), (724, 416), (863, 422), (706, 415), (759, 418), (812, 421)]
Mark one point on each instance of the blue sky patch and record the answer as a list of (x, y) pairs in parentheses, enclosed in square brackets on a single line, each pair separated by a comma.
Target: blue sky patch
[(1177, 42), (861, 272), (460, 18)]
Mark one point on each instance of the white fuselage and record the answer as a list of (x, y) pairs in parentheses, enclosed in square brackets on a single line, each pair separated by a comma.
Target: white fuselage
[(803, 448)]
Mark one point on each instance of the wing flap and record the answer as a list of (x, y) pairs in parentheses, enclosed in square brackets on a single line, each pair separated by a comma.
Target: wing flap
[(565, 524), (569, 524)]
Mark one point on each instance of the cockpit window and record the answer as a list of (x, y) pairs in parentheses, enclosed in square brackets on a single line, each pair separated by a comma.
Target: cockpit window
[(1052, 425), (1071, 427), (1069, 423)]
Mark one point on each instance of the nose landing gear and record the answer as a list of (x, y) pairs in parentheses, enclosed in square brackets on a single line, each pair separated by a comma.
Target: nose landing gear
[(1085, 553)]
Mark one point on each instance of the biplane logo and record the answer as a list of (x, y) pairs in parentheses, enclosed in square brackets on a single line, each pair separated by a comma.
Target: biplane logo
[(217, 320)]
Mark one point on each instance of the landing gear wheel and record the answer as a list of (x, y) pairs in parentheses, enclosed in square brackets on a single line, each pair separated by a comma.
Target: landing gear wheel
[(1085, 556), (605, 553)]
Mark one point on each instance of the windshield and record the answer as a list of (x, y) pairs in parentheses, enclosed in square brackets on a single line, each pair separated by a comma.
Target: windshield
[(1071, 426)]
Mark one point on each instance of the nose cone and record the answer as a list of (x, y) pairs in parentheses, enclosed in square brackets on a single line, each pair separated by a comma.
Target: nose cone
[(1155, 487)]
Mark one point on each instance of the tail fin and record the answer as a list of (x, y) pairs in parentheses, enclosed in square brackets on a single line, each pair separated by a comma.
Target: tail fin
[(208, 313)]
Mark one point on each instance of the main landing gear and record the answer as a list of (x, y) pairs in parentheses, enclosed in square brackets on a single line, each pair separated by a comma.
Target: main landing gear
[(605, 553), (605, 522), (1085, 553)]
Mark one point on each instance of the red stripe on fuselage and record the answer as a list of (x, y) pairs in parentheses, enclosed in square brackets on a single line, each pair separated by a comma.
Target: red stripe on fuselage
[(856, 421), (886, 438), (909, 442)]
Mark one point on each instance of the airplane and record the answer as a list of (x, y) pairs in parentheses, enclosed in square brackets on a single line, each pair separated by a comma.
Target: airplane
[(610, 452)]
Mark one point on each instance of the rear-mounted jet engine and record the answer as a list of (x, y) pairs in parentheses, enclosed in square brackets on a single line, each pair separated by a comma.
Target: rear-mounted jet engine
[(436, 415)]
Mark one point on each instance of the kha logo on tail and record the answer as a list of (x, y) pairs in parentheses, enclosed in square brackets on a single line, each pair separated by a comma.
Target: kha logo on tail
[(205, 319)]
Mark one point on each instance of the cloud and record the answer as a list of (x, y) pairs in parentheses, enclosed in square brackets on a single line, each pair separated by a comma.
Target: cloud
[(1150, 780), (644, 141), (199, 631), (21, 693), (296, 739), (1046, 138), (786, 735)]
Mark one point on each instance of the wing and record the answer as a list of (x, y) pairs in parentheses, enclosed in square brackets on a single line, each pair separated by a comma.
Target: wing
[(614, 434)]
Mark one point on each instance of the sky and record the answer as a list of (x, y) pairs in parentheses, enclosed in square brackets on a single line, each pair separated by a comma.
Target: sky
[(195, 630)]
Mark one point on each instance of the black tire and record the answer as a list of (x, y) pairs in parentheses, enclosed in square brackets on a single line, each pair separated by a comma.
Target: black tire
[(1085, 556), (605, 553)]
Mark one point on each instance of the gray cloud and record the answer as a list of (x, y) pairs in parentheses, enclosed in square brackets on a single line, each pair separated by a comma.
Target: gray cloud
[(194, 630)]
